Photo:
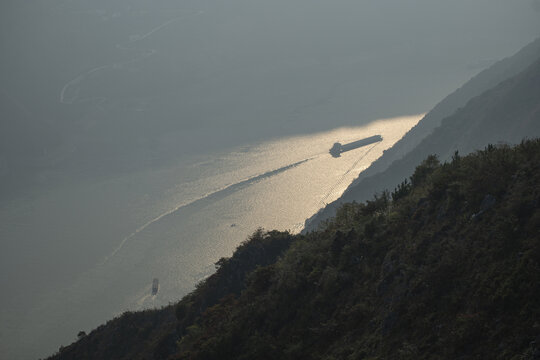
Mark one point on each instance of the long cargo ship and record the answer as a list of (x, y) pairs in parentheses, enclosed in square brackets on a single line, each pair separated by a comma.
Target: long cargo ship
[(338, 148)]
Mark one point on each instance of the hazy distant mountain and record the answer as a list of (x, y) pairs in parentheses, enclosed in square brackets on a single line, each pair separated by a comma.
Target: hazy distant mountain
[(507, 113)]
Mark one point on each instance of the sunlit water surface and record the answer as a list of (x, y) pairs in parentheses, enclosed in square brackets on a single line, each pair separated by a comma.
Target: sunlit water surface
[(95, 247)]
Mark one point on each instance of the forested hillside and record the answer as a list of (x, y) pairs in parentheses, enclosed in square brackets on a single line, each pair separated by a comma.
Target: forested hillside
[(445, 266)]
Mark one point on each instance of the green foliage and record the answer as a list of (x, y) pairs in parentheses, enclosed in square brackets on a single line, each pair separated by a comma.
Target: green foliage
[(444, 267), (148, 334), (401, 190), (425, 169)]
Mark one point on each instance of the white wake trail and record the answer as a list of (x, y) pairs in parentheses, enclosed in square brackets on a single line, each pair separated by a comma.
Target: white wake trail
[(223, 191), (141, 228)]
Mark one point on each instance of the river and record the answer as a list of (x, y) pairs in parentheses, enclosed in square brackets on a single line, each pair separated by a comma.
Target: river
[(81, 254)]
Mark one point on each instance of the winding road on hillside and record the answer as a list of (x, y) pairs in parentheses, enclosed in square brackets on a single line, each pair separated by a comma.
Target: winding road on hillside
[(71, 90)]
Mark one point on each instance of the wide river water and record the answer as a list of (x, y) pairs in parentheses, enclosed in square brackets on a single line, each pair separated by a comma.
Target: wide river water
[(79, 255)]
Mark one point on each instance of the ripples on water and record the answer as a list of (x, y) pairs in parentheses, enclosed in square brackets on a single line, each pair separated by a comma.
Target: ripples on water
[(103, 243)]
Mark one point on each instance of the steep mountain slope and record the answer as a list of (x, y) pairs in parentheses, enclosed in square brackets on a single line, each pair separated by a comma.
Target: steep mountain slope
[(446, 266), (149, 334), (152, 334), (485, 80), (485, 118), (447, 270)]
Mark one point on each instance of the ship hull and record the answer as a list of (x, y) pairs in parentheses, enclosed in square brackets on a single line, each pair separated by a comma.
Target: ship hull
[(338, 148)]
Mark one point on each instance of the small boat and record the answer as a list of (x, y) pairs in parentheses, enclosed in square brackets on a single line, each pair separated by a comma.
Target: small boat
[(155, 286)]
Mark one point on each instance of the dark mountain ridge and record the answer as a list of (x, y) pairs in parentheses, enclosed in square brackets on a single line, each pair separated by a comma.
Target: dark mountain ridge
[(152, 334), (445, 267), (508, 79)]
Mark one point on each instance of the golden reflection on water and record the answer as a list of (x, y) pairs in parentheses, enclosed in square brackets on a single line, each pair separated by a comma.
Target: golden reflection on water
[(285, 201), (185, 246), (181, 227)]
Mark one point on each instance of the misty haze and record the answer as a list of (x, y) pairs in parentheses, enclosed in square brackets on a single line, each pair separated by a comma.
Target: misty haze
[(145, 140)]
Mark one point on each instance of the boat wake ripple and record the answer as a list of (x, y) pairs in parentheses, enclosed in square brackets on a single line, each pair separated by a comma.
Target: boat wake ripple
[(207, 200)]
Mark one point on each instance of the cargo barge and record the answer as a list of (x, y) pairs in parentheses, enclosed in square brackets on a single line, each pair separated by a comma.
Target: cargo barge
[(338, 148)]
